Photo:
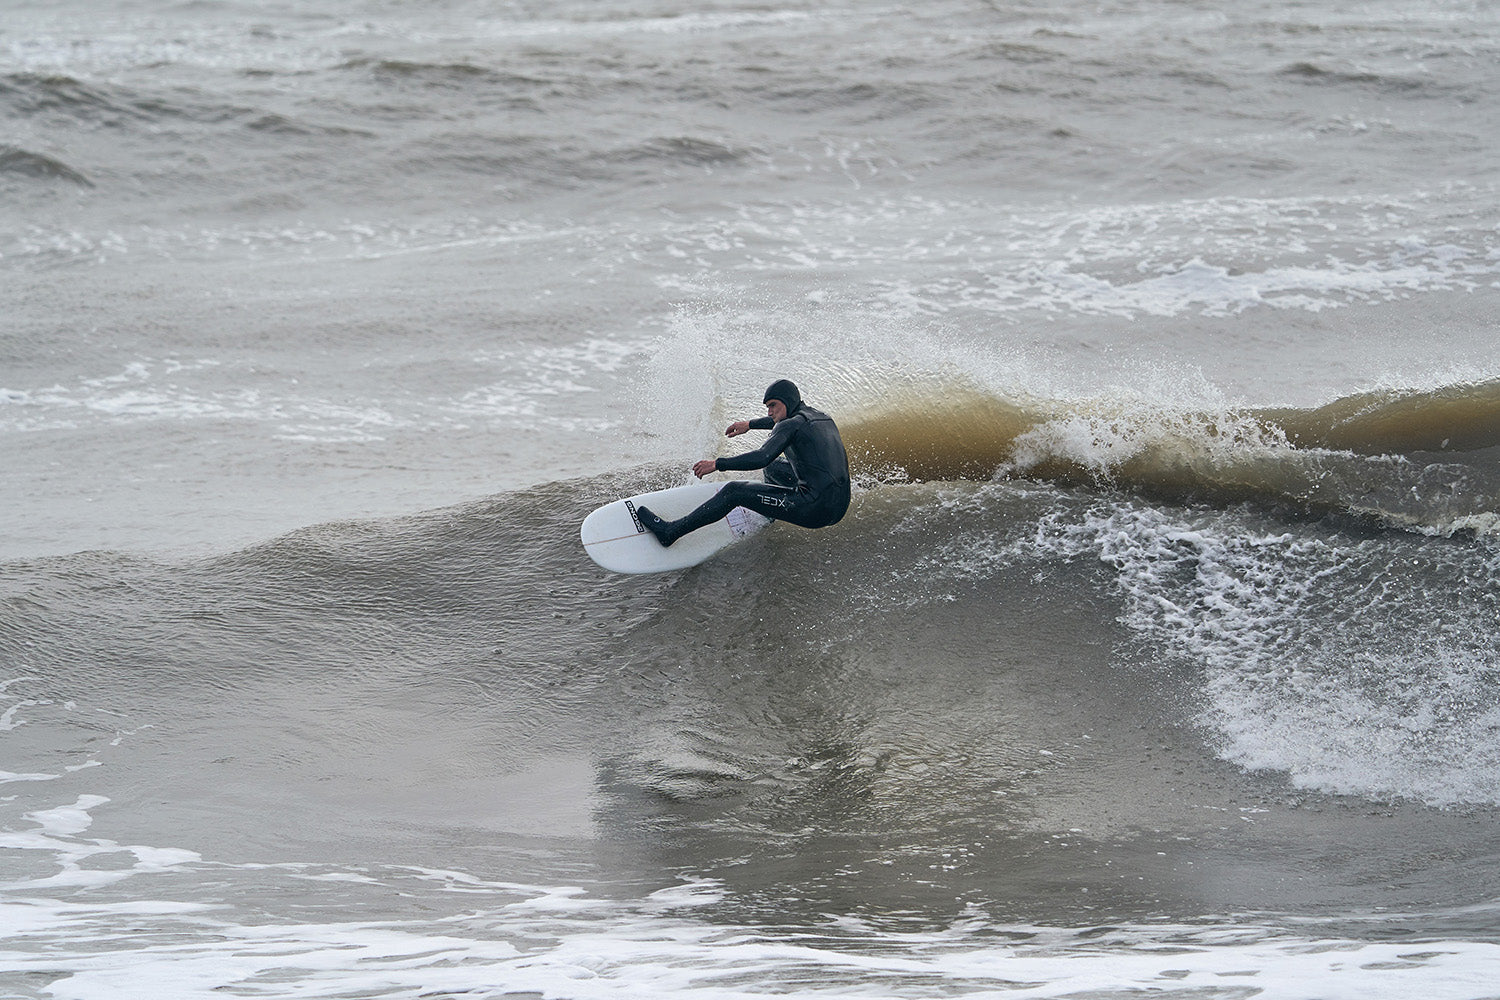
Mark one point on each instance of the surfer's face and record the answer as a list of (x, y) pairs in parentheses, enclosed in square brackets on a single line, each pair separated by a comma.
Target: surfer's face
[(776, 410)]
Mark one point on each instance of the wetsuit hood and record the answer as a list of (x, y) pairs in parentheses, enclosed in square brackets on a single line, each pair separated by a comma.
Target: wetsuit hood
[(786, 391)]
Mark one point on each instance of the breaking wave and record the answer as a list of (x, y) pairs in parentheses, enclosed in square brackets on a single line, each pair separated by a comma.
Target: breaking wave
[(1423, 459)]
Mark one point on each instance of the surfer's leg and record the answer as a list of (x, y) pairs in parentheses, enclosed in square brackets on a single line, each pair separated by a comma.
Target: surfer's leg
[(767, 499), (802, 509), (661, 529)]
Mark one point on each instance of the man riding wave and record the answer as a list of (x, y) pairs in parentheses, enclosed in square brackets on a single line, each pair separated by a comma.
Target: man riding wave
[(806, 477)]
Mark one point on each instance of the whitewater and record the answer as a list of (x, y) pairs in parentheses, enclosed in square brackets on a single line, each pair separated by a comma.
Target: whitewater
[(1157, 655)]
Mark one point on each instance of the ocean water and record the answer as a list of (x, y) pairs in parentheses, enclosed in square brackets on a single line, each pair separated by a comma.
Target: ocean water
[(1159, 654)]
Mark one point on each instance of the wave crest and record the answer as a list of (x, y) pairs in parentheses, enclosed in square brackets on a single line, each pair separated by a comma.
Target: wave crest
[(14, 160), (1417, 459)]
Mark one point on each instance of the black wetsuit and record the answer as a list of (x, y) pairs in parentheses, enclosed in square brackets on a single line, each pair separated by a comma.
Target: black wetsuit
[(808, 487)]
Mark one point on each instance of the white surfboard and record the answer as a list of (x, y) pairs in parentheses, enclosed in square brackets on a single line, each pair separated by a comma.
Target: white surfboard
[(615, 538)]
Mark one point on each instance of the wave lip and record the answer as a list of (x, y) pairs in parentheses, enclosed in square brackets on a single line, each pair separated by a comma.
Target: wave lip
[(1313, 73), (14, 160), (33, 94), (1417, 459), (1463, 417), (960, 431)]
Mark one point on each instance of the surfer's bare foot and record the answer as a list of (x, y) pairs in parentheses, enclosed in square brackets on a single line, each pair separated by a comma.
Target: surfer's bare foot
[(661, 529)]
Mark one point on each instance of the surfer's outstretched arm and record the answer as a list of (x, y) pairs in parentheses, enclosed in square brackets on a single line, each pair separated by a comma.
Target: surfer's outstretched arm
[(744, 426), (708, 465), (781, 436)]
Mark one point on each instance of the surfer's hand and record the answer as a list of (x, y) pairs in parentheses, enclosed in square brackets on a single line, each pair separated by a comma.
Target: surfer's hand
[(703, 468), (737, 428)]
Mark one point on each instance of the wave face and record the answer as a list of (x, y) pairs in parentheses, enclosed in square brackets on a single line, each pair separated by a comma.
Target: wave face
[(1240, 618), (1008, 708)]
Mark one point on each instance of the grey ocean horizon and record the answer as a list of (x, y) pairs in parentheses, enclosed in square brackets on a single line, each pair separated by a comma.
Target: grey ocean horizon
[(1156, 655)]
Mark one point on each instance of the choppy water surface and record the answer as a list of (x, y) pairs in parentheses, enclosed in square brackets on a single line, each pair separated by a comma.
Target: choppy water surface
[(1157, 654)]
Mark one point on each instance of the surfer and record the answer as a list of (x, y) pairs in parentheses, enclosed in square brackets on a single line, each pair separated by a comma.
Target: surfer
[(806, 477)]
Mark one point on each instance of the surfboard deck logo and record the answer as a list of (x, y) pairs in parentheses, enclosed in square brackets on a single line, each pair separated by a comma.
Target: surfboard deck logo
[(745, 522)]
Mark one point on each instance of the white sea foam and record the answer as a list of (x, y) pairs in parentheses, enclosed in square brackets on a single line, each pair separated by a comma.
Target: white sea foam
[(100, 44), (88, 917), (1216, 258), (694, 22), (536, 378), (1275, 625), (148, 391), (537, 383), (55, 833), (1293, 681), (490, 939), (350, 239), (1210, 258)]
